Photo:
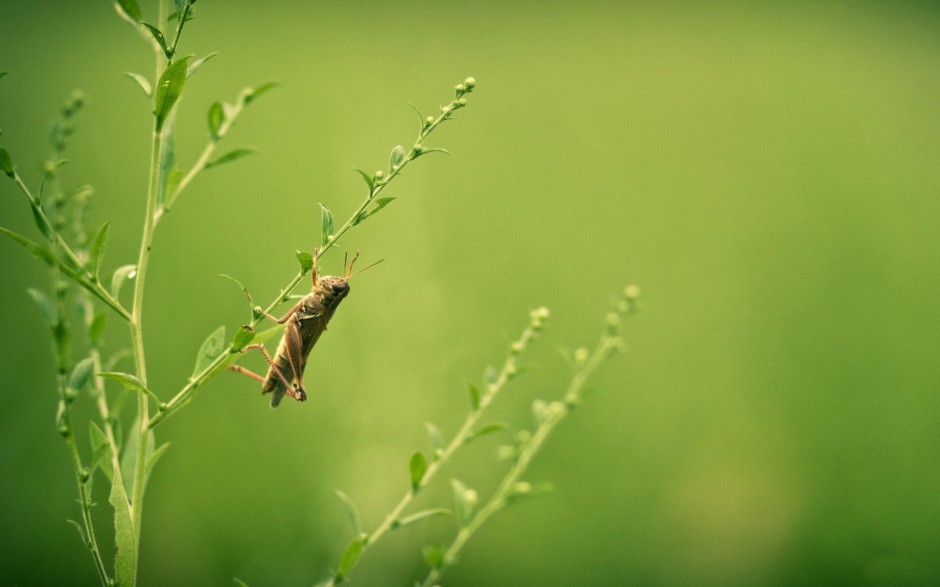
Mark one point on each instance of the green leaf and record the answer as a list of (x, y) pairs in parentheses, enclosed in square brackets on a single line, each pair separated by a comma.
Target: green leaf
[(152, 458), (45, 305), (326, 218), (238, 582), (230, 156), (97, 249), (435, 438), (434, 556), (173, 177), (379, 204), (169, 89), (349, 558), (38, 251), (422, 515), (351, 511), (195, 65), (100, 451), (251, 94), (6, 164), (370, 181), (396, 157), (465, 500), (96, 329), (143, 82), (80, 374), (211, 348), (216, 118), (125, 539), (131, 382), (417, 467), (489, 428), (474, 396), (130, 8), (305, 259), (121, 274), (158, 36), (242, 338)]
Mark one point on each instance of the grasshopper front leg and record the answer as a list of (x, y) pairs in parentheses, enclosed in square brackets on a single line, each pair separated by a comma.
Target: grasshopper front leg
[(276, 374)]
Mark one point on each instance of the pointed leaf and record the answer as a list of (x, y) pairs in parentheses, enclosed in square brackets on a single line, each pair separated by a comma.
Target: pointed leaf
[(81, 531), (158, 36), (474, 396), (417, 467), (45, 305), (131, 382), (306, 261), (422, 515), (125, 539), (81, 373), (216, 118), (38, 251), (169, 89), (351, 511), (242, 338), (396, 157), (121, 274), (434, 556), (100, 452), (153, 458), (230, 156), (6, 164), (211, 348), (97, 248), (251, 94), (195, 65), (326, 218), (370, 181), (130, 8), (349, 558), (143, 82), (465, 500), (487, 430)]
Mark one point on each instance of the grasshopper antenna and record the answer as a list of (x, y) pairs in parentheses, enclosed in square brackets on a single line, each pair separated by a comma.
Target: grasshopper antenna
[(350, 274)]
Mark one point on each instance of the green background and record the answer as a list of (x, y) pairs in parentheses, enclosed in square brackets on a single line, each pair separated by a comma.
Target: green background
[(769, 175)]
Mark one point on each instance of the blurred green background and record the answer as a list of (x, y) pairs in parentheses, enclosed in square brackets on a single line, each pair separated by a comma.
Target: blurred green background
[(768, 174)]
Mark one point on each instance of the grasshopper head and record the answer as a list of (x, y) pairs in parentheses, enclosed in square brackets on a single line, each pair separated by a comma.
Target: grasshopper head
[(334, 286)]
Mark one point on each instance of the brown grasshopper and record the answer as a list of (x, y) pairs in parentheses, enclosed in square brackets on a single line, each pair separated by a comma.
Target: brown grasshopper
[(306, 321)]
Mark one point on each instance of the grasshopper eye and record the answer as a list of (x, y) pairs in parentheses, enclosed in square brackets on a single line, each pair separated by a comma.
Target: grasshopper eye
[(339, 287)]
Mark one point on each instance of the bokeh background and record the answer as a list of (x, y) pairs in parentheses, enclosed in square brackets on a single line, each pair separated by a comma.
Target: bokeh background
[(768, 174)]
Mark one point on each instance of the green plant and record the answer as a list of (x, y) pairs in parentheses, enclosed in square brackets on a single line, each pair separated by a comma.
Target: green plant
[(125, 456)]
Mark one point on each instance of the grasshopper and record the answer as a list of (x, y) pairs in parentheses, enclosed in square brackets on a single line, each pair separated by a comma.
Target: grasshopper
[(306, 321)]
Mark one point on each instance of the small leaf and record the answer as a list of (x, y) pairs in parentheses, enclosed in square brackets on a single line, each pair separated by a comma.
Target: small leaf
[(41, 222), (131, 382), (169, 89), (195, 65), (349, 558), (130, 9), (474, 396), (379, 204), (216, 118), (435, 438), (6, 164), (465, 500), (154, 457), (417, 467), (96, 329), (434, 556), (242, 338), (251, 94), (396, 157), (238, 582), (121, 274), (100, 451), (45, 305), (38, 251), (489, 428), (370, 181), (211, 348), (326, 218), (158, 36), (351, 511), (230, 156), (422, 515), (173, 177), (97, 248), (306, 261), (143, 82), (81, 531), (81, 373)]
